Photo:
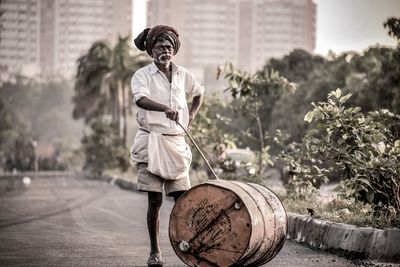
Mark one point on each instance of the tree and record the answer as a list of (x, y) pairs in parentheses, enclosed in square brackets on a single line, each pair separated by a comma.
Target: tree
[(103, 147), (297, 65), (257, 94), (92, 67), (123, 65), (11, 130), (372, 78), (34, 111), (102, 82), (208, 130), (392, 25), (101, 98)]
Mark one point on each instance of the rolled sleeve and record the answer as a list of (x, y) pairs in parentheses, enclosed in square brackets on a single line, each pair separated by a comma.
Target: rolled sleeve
[(139, 86), (194, 88), (197, 89)]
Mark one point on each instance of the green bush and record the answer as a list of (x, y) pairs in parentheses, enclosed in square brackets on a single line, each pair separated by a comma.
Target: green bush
[(304, 170), (255, 96), (361, 148), (104, 148)]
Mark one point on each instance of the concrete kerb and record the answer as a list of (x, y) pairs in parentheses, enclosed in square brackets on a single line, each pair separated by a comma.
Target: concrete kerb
[(366, 242), (363, 242), (121, 182)]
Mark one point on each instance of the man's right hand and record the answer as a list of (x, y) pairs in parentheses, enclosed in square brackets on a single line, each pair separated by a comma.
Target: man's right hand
[(148, 104), (172, 114)]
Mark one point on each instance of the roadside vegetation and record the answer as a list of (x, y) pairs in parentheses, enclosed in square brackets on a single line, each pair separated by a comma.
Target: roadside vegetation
[(36, 127), (362, 149), (320, 120)]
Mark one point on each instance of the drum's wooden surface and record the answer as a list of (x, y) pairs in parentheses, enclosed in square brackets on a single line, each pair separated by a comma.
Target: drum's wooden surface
[(221, 223)]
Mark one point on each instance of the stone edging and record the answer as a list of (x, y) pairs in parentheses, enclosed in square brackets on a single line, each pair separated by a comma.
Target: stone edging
[(121, 182), (365, 242)]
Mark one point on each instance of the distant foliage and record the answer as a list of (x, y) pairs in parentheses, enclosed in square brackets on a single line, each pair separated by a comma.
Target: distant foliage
[(104, 148), (102, 82), (36, 112), (392, 24), (372, 77), (303, 166), (255, 96), (207, 131), (102, 91)]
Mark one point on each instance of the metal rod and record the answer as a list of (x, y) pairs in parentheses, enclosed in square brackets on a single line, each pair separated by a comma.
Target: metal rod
[(198, 149)]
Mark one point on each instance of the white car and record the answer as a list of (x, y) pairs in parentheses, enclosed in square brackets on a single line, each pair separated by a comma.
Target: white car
[(239, 161)]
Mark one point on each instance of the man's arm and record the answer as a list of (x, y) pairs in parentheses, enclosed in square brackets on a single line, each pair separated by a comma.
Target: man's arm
[(148, 104), (196, 103)]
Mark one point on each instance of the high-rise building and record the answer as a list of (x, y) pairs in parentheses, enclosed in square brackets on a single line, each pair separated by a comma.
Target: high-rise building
[(19, 35), (209, 30), (61, 29), (244, 32), (273, 28), (78, 23)]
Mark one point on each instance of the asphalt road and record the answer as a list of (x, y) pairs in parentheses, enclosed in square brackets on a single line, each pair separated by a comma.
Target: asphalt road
[(73, 221)]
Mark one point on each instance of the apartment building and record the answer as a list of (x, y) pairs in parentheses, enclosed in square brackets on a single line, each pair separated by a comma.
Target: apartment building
[(209, 30), (52, 34), (244, 32), (19, 35), (273, 28)]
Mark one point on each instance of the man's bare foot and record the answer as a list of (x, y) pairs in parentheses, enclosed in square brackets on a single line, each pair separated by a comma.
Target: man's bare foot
[(155, 260)]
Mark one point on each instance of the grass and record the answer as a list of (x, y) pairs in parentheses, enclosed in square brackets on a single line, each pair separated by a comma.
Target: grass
[(326, 204), (337, 210)]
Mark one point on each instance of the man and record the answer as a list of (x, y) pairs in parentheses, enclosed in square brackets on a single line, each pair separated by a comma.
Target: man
[(159, 90)]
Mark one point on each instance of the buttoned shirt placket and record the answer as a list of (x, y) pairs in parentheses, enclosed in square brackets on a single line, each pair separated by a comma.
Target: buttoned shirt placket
[(169, 84)]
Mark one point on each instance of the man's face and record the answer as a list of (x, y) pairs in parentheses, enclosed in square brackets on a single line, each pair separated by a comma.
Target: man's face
[(163, 52)]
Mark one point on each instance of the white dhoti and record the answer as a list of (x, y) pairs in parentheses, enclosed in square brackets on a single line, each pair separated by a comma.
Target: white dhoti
[(168, 156)]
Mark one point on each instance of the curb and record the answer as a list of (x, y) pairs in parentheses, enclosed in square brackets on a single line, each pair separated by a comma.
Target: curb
[(122, 183), (362, 242), (366, 242)]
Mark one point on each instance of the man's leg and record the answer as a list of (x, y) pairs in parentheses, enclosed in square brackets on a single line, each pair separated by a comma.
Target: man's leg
[(176, 188), (177, 194), (153, 221)]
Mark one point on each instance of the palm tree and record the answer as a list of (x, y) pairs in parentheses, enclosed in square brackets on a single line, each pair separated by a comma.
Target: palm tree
[(102, 82), (92, 67), (123, 64)]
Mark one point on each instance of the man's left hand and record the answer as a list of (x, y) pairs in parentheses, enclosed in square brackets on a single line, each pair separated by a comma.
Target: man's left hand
[(191, 118)]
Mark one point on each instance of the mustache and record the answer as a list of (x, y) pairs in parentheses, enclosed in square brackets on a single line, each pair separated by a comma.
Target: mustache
[(164, 55)]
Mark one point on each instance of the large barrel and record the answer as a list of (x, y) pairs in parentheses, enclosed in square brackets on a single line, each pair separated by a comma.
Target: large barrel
[(225, 223)]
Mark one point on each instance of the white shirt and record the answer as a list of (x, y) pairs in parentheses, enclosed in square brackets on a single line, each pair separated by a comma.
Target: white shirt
[(150, 82)]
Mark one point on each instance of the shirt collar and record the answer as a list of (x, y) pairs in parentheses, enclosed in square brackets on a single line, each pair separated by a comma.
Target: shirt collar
[(154, 69)]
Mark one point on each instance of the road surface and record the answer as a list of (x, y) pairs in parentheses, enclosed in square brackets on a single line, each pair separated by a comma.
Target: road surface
[(73, 221)]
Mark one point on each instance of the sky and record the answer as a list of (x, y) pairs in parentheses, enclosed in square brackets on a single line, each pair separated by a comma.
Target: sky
[(342, 25)]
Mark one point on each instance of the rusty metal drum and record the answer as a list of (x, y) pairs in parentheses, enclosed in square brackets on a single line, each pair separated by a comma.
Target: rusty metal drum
[(226, 223)]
